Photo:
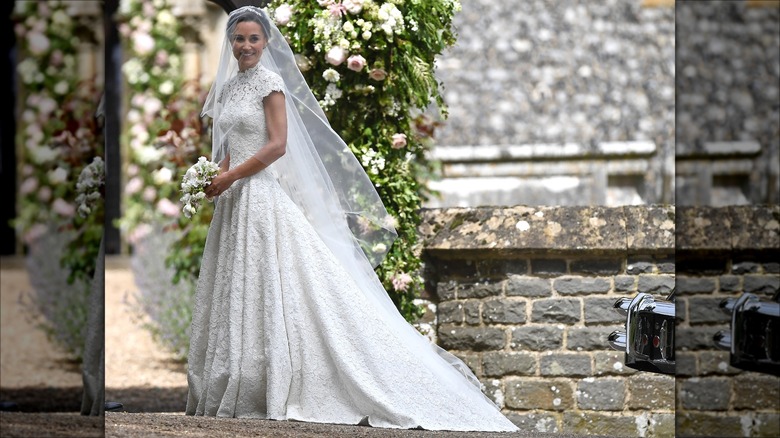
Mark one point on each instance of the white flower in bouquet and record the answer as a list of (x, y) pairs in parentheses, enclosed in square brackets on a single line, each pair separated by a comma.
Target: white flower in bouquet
[(91, 178), (197, 177)]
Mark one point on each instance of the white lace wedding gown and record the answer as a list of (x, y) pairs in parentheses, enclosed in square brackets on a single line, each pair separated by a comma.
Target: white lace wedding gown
[(281, 331)]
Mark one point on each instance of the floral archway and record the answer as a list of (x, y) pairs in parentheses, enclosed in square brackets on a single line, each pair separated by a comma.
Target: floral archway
[(370, 64)]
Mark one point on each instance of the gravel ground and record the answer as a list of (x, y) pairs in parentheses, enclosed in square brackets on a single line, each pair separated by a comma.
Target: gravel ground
[(150, 384), (127, 425)]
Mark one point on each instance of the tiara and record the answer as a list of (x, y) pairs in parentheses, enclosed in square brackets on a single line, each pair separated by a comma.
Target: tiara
[(250, 8)]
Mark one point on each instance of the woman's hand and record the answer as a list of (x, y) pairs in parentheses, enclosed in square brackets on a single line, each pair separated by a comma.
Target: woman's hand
[(219, 184)]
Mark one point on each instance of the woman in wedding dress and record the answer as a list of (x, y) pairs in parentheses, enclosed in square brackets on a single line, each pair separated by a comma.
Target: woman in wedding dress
[(290, 321)]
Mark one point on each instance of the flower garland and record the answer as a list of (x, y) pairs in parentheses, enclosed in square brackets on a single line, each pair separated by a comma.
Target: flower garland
[(58, 130), (59, 134), (370, 63), (164, 132)]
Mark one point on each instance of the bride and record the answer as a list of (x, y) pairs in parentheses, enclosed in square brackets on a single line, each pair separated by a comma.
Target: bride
[(290, 321)]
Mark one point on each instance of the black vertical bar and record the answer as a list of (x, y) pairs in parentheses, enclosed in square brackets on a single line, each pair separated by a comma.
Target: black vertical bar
[(113, 100), (8, 134)]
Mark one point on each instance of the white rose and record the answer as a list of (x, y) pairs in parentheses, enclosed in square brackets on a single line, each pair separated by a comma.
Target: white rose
[(353, 6), (166, 87), (44, 154), (61, 87), (152, 105), (47, 105), (379, 248), (143, 43), (58, 175), (348, 27), (38, 43), (166, 18), (162, 176), (336, 55)]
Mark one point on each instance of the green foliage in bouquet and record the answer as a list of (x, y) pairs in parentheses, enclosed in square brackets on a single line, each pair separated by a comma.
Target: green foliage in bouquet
[(371, 65)]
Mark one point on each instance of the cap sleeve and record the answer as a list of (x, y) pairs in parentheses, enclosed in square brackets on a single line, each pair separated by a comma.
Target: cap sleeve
[(271, 82)]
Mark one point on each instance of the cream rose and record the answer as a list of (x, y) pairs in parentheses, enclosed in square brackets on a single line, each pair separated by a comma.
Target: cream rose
[(282, 14), (336, 55)]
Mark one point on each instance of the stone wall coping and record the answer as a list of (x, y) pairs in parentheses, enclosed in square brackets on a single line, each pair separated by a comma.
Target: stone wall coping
[(733, 228), (549, 229), (646, 229)]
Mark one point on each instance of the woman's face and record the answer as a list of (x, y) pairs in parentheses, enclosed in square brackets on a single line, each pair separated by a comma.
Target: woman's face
[(248, 44)]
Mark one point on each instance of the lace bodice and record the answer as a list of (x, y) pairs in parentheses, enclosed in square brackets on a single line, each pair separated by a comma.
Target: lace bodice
[(243, 115)]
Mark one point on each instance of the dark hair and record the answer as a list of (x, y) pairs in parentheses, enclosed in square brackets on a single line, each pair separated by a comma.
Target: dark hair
[(249, 15)]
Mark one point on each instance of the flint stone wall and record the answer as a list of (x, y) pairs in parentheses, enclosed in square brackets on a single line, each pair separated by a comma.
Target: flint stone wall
[(727, 143), (722, 253), (524, 296), (587, 86)]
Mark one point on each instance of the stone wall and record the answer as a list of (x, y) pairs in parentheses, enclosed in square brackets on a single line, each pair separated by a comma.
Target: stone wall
[(525, 298), (721, 253), (728, 119), (562, 103)]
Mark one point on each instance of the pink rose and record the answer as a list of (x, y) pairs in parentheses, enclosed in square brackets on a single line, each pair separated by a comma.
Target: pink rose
[(28, 186), (44, 194), (34, 233), (399, 141), (377, 74), (168, 208), (356, 62), (149, 194), (20, 29), (161, 58), (139, 233), (336, 55), (134, 185), (282, 14), (63, 208)]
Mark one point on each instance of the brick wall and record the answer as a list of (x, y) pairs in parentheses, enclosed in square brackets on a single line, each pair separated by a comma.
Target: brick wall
[(525, 298), (721, 253)]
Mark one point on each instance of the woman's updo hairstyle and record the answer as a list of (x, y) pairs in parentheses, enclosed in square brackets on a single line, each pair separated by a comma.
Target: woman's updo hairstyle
[(249, 13)]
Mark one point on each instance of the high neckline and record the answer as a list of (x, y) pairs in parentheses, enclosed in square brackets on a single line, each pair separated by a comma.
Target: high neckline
[(249, 70)]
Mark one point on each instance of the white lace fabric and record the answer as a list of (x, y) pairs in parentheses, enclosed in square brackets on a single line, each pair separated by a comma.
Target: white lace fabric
[(281, 330)]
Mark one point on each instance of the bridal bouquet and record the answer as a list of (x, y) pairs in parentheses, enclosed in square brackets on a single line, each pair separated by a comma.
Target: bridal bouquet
[(91, 179), (197, 177)]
